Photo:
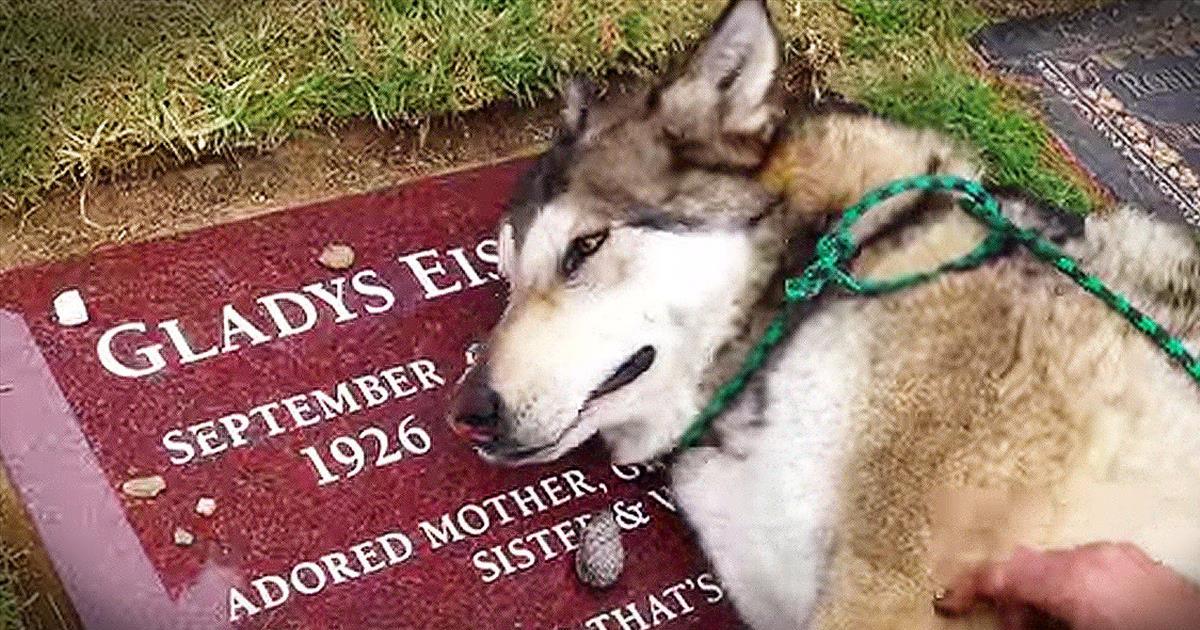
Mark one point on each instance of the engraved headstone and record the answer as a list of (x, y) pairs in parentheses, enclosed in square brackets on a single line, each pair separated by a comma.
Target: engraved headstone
[(222, 444), (1121, 90)]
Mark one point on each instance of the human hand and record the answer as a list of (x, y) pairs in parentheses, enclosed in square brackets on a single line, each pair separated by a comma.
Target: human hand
[(1100, 586)]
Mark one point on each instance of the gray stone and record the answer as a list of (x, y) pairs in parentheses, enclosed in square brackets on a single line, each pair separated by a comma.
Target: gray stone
[(601, 555)]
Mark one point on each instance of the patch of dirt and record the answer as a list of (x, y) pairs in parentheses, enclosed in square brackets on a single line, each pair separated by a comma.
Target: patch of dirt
[(160, 201), (161, 198)]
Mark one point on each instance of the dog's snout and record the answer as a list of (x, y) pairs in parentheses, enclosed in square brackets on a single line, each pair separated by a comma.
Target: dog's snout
[(478, 409)]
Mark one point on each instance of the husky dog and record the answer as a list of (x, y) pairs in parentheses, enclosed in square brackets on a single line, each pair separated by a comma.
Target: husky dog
[(890, 441)]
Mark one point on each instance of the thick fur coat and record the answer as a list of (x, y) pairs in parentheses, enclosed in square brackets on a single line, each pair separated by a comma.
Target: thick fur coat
[(891, 442)]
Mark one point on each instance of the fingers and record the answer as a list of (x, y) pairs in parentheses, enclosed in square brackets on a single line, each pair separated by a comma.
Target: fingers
[(1047, 581), (1101, 586), (966, 591)]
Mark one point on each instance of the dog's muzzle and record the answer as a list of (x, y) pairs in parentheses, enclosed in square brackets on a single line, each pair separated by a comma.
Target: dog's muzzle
[(477, 409), (479, 414)]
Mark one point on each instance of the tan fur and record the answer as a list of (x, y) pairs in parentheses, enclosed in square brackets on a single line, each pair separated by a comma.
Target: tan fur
[(812, 170), (979, 411), (1018, 404), (1007, 387), (992, 392)]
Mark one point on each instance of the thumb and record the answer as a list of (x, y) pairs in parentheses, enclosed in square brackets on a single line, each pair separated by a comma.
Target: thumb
[(1029, 578)]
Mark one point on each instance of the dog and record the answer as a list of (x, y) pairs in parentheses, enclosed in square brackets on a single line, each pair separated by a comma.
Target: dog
[(889, 442)]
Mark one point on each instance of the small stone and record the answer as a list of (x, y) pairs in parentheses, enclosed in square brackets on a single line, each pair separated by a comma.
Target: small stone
[(206, 506), (69, 308), (183, 537), (601, 555), (144, 487), (336, 256)]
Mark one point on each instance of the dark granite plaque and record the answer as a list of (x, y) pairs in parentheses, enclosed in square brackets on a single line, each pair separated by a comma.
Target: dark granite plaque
[(1121, 88)]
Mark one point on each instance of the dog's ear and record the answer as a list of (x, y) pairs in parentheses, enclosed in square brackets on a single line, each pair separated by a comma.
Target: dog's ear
[(578, 94), (726, 105)]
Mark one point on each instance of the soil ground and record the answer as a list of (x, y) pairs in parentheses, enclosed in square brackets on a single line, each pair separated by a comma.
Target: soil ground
[(160, 200)]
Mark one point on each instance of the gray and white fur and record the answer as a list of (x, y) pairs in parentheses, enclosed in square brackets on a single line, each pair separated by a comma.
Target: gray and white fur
[(644, 253)]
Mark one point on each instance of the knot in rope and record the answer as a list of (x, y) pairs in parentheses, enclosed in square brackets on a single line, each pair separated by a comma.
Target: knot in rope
[(836, 249)]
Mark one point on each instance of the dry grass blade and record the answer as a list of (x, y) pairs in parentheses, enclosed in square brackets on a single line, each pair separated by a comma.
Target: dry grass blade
[(92, 85)]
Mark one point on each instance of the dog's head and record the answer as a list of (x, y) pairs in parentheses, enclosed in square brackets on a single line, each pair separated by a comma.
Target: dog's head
[(627, 249)]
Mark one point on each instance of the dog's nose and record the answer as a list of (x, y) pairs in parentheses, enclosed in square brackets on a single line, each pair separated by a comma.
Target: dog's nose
[(477, 408)]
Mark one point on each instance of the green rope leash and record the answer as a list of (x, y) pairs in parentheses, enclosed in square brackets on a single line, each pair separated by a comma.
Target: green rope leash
[(836, 249)]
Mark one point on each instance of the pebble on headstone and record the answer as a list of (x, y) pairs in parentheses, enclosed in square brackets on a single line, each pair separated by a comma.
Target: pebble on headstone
[(336, 256), (206, 506), (69, 308), (144, 487), (183, 537), (473, 352), (601, 555)]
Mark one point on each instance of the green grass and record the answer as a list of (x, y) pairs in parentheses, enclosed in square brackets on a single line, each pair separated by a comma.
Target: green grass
[(11, 606), (89, 86), (1013, 144), (909, 61)]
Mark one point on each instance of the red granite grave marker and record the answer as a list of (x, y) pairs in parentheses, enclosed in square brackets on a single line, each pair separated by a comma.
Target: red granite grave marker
[(307, 404)]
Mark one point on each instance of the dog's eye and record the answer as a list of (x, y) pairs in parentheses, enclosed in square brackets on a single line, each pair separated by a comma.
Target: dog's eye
[(581, 248)]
